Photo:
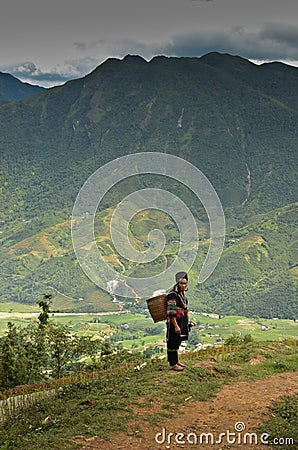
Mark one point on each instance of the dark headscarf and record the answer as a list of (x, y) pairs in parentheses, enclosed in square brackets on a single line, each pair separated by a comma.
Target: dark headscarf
[(180, 275)]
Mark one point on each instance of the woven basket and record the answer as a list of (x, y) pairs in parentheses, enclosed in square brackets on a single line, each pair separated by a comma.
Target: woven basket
[(158, 307)]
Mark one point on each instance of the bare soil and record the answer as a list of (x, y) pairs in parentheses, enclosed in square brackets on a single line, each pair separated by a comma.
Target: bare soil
[(239, 407)]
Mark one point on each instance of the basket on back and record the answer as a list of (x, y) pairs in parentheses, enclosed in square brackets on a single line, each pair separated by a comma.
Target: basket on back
[(158, 307)]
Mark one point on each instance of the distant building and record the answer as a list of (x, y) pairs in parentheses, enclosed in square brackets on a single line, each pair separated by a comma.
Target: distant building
[(111, 286)]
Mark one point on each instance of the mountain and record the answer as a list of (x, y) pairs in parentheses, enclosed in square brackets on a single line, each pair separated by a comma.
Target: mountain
[(13, 89), (234, 120)]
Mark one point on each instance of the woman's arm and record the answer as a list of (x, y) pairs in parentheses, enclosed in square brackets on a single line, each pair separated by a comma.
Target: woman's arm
[(176, 326), (172, 311)]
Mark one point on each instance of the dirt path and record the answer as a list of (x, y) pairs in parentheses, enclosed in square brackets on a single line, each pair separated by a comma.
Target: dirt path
[(240, 407)]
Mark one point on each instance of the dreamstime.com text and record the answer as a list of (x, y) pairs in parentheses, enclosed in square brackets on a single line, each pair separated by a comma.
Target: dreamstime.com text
[(237, 436)]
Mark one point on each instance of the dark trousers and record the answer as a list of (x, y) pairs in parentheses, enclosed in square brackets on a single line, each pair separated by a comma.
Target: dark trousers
[(172, 357), (173, 344)]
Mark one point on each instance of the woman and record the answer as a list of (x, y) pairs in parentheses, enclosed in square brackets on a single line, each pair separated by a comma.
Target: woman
[(177, 320)]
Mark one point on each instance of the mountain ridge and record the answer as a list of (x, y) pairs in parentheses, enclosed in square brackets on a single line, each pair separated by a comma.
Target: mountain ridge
[(11, 88), (234, 120)]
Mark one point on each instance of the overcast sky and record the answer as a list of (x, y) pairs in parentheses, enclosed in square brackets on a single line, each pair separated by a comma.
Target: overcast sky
[(50, 42)]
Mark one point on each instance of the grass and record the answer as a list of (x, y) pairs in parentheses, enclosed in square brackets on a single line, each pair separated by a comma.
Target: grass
[(261, 359), (107, 403), (282, 424), (102, 407), (12, 307)]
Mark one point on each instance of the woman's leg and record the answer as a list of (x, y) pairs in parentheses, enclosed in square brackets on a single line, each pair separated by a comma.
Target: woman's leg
[(173, 343), (172, 356)]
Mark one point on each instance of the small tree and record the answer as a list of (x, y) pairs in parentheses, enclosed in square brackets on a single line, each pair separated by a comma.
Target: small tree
[(45, 306), (61, 347), (13, 360)]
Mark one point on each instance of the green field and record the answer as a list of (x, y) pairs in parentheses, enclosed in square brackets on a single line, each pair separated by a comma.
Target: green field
[(139, 330), (259, 328), (17, 307)]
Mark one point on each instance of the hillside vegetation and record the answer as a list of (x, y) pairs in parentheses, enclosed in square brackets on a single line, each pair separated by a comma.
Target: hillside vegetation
[(13, 89), (128, 404), (237, 122)]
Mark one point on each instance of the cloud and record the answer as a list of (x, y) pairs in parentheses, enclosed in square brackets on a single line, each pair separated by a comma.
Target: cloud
[(88, 45), (272, 42), (281, 33), (81, 66), (28, 72)]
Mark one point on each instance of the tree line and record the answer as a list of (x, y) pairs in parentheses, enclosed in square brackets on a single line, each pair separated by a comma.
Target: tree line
[(44, 350)]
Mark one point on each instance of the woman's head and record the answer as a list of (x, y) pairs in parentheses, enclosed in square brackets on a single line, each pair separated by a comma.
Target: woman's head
[(181, 280)]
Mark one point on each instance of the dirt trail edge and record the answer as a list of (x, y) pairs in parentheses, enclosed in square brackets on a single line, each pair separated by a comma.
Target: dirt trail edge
[(239, 408)]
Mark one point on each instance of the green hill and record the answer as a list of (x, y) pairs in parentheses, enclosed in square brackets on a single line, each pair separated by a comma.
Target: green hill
[(257, 274), (13, 89), (236, 121)]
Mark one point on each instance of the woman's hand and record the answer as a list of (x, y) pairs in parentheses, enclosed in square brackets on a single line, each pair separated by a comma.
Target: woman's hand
[(177, 330)]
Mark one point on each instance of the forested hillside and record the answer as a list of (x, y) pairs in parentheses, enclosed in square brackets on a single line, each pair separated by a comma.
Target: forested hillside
[(235, 121), (13, 89)]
